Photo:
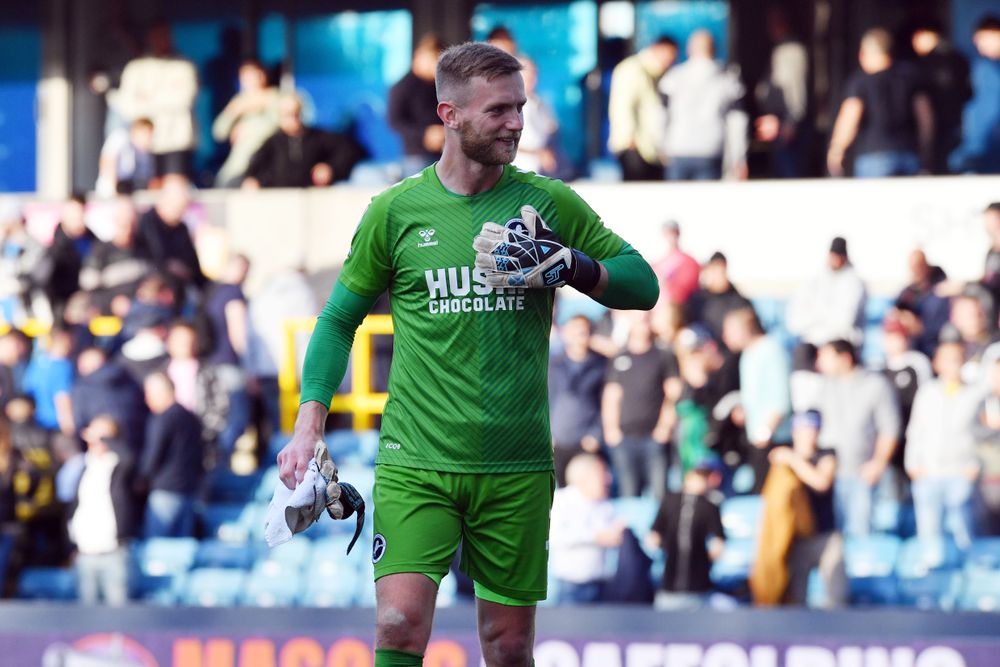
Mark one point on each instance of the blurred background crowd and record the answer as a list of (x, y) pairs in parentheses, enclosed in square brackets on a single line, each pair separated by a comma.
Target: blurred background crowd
[(839, 446)]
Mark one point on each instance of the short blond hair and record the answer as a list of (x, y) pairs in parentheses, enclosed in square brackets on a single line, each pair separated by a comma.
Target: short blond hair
[(461, 63)]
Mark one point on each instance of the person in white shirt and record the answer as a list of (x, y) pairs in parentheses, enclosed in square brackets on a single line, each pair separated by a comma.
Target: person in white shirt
[(583, 529), (534, 151), (102, 517), (706, 130)]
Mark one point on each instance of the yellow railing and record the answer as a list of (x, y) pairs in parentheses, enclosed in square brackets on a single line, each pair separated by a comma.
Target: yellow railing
[(361, 402), (103, 326)]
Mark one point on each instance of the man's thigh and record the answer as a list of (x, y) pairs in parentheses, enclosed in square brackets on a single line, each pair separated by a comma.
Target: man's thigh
[(506, 531), (417, 522)]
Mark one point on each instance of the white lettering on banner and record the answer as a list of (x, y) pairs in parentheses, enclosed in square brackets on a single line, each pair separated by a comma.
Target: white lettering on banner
[(810, 656), (683, 655), (555, 653), (602, 655), (940, 656), (764, 656), (725, 655), (644, 655)]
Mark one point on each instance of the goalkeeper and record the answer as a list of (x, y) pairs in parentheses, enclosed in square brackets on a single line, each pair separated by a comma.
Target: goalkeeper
[(470, 250)]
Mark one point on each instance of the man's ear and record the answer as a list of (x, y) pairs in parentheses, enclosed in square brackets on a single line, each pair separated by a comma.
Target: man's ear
[(448, 113)]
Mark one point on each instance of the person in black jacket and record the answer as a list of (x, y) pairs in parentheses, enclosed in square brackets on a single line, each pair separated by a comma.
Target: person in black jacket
[(101, 537), (116, 266), (716, 298), (413, 108), (298, 156), (105, 387), (164, 239), (172, 462), (58, 273)]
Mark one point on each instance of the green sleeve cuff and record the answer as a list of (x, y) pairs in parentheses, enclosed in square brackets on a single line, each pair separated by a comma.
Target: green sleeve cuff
[(632, 285), (330, 345)]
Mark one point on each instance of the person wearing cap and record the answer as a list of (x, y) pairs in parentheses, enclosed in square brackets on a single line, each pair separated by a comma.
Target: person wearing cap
[(676, 270), (816, 468), (716, 298), (688, 527), (906, 369), (831, 306), (637, 412), (861, 422)]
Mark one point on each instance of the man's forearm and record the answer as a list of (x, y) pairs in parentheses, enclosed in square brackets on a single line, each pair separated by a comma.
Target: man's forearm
[(885, 446), (627, 282), (330, 346)]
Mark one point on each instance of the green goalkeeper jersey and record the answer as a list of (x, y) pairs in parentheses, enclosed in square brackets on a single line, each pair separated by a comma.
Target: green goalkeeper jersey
[(468, 383)]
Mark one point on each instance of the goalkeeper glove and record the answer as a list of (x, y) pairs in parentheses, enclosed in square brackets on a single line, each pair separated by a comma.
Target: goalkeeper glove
[(342, 499), (526, 253)]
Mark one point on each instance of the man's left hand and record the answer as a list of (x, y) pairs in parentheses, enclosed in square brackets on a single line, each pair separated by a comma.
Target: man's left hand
[(526, 253)]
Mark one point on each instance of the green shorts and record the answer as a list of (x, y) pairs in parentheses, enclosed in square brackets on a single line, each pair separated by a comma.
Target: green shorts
[(501, 519)]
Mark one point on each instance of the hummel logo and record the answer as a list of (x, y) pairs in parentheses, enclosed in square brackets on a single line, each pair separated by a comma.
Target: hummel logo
[(426, 235)]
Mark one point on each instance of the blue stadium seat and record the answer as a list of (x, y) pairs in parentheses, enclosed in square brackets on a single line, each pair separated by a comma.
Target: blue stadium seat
[(344, 446), (886, 515), (870, 562), (159, 590), (447, 591), (741, 516), (292, 555), (638, 513), (983, 554), (265, 486), (871, 556), (331, 590), (362, 477), (6, 547), (213, 587), (981, 592), (265, 589), (219, 554), (918, 556), (252, 519), (222, 521), (225, 486), (47, 583), (160, 556), (732, 568), (771, 312), (329, 554), (937, 590), (743, 479)]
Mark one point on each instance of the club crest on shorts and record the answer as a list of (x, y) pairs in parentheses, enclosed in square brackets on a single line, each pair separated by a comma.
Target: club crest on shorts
[(378, 547)]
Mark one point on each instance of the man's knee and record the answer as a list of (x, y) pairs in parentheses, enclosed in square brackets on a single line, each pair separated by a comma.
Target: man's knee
[(508, 650), (401, 627)]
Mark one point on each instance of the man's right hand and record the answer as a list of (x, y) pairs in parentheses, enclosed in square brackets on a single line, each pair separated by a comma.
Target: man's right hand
[(294, 458)]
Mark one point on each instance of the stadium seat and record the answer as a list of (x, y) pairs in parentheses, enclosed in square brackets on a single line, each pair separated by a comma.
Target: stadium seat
[(447, 591), (918, 556), (225, 486), (213, 587), (638, 513), (265, 589), (732, 568), (47, 583), (981, 591), (870, 562), (219, 554), (743, 479), (266, 484), (329, 554), (937, 590), (222, 521), (6, 546), (290, 556), (741, 516), (161, 556), (330, 590), (886, 515), (362, 477), (871, 555), (344, 446), (983, 554)]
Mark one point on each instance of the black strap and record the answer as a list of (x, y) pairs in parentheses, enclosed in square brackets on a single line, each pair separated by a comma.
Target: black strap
[(353, 503)]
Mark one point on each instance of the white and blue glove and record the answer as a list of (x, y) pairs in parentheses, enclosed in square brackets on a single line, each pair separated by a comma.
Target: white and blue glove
[(526, 253)]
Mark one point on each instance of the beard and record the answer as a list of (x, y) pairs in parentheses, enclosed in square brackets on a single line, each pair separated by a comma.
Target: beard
[(485, 149)]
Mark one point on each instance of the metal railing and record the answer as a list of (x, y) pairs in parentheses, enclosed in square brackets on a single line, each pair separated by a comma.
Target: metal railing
[(362, 402)]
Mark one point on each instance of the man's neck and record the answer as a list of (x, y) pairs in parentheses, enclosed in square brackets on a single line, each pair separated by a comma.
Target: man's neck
[(463, 176), (577, 353)]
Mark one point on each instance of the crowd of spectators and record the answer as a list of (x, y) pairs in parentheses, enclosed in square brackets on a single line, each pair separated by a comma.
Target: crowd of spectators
[(671, 116), (696, 402), (109, 432)]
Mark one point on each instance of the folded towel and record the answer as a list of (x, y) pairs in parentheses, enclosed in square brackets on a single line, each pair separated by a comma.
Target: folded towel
[(292, 512)]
